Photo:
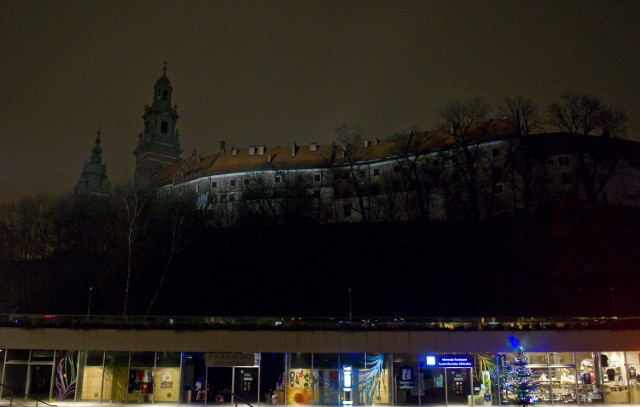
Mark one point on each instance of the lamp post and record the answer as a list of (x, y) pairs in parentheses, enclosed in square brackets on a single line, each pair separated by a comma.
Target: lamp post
[(89, 305), (349, 304)]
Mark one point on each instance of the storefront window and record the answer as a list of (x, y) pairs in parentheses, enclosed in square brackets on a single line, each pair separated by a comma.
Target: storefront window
[(614, 375), (18, 355), (326, 367), (15, 372), (166, 381), (563, 377), (140, 383), (353, 364), (39, 355), (589, 378), (486, 376), (194, 376), (633, 369), (301, 379), (116, 373), (90, 376), (66, 375), (408, 383), (376, 385), (272, 377)]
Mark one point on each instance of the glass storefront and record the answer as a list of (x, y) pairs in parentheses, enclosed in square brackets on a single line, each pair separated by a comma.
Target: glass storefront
[(323, 379)]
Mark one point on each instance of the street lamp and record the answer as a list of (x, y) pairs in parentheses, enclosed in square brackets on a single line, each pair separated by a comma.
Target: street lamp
[(89, 305), (349, 304)]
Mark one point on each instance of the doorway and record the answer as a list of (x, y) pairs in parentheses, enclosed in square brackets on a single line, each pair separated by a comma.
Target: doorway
[(245, 383), (458, 385), (218, 380), (40, 382)]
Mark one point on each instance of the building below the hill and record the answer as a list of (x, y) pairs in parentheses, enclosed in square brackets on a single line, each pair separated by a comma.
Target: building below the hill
[(94, 180), (318, 361)]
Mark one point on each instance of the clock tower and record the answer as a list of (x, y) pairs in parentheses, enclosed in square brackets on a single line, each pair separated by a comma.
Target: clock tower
[(159, 143)]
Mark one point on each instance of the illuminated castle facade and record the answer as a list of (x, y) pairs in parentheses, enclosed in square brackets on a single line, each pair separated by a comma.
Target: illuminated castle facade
[(416, 176)]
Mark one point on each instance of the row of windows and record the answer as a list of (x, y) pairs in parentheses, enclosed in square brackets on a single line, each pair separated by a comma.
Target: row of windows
[(409, 379)]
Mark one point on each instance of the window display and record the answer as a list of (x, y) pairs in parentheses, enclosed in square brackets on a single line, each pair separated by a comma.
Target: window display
[(589, 378), (633, 367), (614, 377)]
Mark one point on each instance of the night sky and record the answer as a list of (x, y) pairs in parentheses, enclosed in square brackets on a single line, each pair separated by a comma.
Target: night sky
[(274, 72)]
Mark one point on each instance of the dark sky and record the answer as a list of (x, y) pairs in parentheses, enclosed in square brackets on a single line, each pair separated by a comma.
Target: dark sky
[(274, 72)]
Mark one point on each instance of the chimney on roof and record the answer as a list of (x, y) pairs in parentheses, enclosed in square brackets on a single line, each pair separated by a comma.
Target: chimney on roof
[(223, 147), (269, 158), (313, 147), (294, 148), (252, 150), (261, 150), (234, 151), (367, 142)]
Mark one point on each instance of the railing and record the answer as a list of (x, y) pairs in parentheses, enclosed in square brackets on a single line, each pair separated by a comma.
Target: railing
[(15, 393), (317, 323), (236, 398)]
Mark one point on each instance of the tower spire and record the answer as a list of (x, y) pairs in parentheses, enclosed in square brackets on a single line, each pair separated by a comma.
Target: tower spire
[(94, 180)]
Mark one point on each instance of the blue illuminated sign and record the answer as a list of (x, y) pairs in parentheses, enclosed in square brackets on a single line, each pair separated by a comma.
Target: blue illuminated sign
[(450, 360)]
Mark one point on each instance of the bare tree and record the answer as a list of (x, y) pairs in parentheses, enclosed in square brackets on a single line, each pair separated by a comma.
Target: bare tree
[(350, 167), (133, 210), (594, 125), (419, 162), (524, 113), (176, 214), (8, 231), (467, 124)]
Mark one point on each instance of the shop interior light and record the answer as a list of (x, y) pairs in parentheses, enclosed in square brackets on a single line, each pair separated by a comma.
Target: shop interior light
[(346, 386)]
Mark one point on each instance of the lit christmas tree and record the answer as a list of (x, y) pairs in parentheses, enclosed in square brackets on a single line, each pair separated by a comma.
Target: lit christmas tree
[(519, 381)]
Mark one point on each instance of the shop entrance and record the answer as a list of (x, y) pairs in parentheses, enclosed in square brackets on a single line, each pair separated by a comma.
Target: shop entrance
[(458, 385), (40, 381), (245, 383), (218, 379), (228, 374)]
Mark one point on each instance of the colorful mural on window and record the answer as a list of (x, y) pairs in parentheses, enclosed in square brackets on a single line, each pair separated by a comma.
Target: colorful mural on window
[(66, 376), (323, 386)]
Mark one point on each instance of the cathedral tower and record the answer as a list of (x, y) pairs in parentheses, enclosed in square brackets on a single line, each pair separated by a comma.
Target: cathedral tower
[(93, 180), (159, 144)]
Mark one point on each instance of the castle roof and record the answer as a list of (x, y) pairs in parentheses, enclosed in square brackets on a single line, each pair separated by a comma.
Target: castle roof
[(261, 158)]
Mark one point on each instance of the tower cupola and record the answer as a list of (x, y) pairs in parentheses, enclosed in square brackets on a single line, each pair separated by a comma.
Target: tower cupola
[(159, 143)]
